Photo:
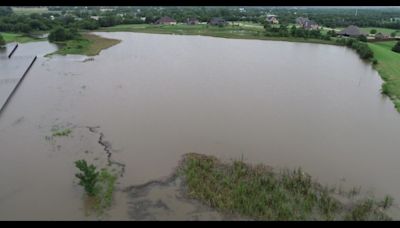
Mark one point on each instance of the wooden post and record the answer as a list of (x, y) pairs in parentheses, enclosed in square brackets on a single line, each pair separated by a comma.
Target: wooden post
[(12, 52), (17, 85)]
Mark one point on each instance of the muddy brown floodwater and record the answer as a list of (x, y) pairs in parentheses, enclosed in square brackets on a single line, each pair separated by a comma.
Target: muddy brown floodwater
[(140, 105)]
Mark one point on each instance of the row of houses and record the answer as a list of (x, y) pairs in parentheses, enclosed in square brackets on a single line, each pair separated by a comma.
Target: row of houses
[(300, 21), (190, 21)]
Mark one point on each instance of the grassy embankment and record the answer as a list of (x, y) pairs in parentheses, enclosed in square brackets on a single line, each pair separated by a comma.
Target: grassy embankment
[(88, 44), (261, 193), (20, 38), (29, 10), (389, 68), (241, 30)]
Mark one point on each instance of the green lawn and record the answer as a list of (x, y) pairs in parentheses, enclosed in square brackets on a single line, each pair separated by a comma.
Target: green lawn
[(20, 38), (88, 44), (386, 31), (389, 68)]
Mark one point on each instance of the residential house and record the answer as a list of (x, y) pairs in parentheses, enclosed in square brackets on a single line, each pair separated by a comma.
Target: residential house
[(106, 9), (306, 23), (192, 21), (95, 17), (352, 31), (381, 36), (166, 21), (395, 19), (217, 21), (301, 20), (272, 19)]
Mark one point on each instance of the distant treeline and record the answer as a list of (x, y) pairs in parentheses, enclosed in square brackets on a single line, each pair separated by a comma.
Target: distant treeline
[(80, 17)]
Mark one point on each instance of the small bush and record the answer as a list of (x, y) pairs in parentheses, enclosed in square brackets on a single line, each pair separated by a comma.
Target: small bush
[(362, 38), (99, 186), (385, 89), (396, 47), (387, 202), (2, 41), (88, 178)]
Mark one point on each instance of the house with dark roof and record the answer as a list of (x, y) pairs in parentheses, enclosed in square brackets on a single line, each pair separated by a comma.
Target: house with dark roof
[(352, 31), (301, 20), (217, 21), (272, 19), (306, 23), (192, 21), (310, 24), (165, 21), (381, 36)]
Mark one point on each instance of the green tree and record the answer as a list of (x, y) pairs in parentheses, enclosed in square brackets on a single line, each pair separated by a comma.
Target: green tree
[(2, 41), (393, 34), (21, 27), (396, 47), (89, 24), (373, 31), (332, 33), (62, 34)]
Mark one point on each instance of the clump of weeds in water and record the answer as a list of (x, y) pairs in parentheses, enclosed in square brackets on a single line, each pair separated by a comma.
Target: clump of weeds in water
[(88, 177), (106, 185), (261, 193), (98, 185), (387, 202), (62, 132), (367, 209)]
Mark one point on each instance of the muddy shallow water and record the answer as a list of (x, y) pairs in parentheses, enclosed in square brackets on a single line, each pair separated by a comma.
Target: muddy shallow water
[(152, 98)]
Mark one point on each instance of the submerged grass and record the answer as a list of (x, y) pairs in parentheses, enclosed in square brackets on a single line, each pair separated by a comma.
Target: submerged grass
[(105, 190), (237, 31), (88, 44), (261, 193), (99, 187), (62, 132)]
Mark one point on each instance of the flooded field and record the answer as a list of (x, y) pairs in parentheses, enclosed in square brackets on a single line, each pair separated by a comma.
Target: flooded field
[(142, 104)]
